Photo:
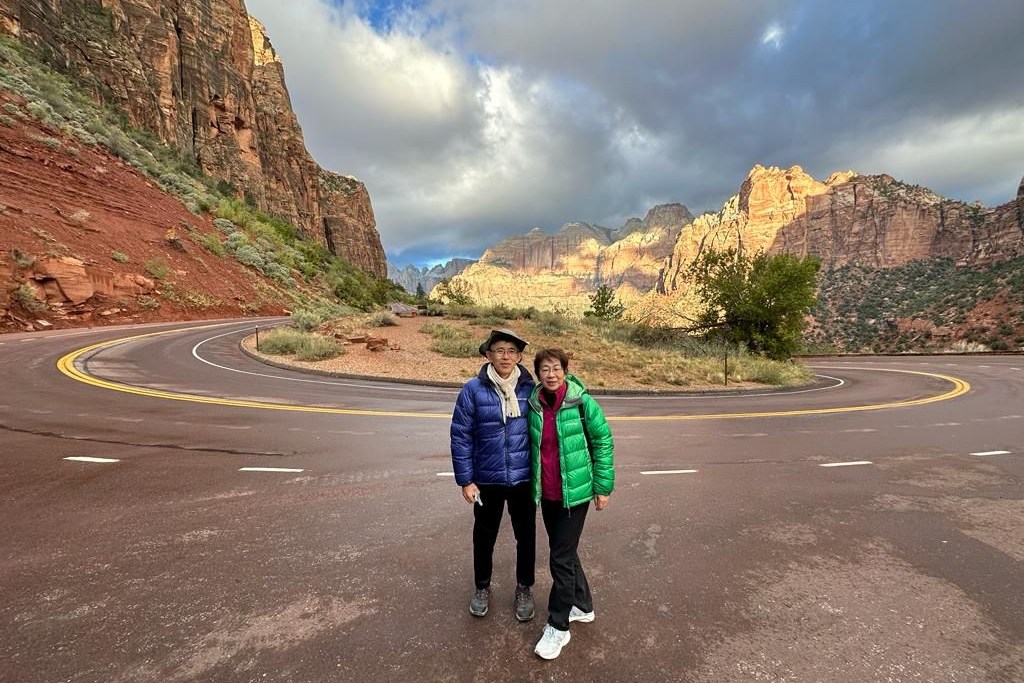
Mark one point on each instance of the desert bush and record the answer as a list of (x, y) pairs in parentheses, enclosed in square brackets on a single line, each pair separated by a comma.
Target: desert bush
[(443, 331), (224, 225), (148, 302), (285, 341), (119, 257), (456, 348), (548, 322), (318, 347), (457, 310), (212, 244), (279, 273), (157, 266), (281, 341), (249, 255), (6, 120), (22, 259), (26, 296), (52, 144), (383, 319), (488, 321), (305, 319), (236, 240)]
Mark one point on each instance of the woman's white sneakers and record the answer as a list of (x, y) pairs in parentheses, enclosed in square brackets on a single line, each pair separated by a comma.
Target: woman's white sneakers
[(576, 614), (551, 642)]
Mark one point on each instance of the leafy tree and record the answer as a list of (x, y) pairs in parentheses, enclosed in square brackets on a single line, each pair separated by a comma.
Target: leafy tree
[(604, 305), (454, 292), (420, 294), (759, 301)]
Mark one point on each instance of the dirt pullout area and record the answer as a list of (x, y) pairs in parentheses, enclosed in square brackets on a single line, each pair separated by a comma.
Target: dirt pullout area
[(85, 239)]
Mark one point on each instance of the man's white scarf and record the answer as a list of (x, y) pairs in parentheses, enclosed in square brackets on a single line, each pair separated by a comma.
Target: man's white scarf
[(506, 390)]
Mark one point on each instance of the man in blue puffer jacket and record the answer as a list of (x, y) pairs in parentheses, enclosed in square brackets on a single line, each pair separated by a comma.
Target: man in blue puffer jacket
[(491, 459)]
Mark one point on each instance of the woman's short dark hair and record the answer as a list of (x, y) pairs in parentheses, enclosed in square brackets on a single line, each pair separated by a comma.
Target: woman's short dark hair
[(550, 354)]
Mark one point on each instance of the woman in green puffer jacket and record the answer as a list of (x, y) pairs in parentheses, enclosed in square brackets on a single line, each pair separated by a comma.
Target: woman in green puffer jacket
[(571, 455)]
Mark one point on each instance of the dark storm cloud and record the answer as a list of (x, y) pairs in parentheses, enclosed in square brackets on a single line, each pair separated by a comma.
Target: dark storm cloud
[(470, 121)]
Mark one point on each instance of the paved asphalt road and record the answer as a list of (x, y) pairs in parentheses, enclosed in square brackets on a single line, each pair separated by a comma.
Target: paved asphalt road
[(173, 564)]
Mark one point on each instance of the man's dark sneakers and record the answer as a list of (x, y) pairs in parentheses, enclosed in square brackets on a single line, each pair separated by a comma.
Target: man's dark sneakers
[(478, 603), (523, 603)]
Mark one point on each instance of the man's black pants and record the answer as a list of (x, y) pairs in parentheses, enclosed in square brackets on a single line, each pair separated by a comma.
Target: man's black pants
[(569, 584), (523, 513)]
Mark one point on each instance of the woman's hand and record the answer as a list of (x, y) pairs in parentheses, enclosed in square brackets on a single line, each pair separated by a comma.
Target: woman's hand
[(470, 492), (600, 502)]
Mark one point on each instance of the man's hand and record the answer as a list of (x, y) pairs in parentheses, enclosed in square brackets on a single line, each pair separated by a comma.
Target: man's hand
[(600, 502), (469, 491)]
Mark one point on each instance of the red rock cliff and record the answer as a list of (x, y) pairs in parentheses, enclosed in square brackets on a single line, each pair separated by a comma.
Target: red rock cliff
[(203, 77), (871, 221)]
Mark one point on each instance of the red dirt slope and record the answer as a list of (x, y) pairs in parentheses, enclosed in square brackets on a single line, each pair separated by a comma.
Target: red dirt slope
[(65, 210)]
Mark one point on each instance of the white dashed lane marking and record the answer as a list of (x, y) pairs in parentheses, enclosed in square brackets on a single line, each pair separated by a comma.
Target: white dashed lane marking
[(984, 453), (845, 464), (269, 469), (86, 458), (446, 474)]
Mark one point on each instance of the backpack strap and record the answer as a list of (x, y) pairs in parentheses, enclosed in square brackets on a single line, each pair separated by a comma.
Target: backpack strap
[(586, 434)]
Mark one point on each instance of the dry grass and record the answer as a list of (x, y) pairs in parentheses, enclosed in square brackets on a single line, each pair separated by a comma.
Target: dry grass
[(596, 359)]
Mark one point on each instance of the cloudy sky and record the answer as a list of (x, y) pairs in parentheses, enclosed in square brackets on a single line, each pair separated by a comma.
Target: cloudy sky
[(472, 120)]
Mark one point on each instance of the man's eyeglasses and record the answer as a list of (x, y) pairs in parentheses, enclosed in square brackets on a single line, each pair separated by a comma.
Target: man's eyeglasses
[(505, 352)]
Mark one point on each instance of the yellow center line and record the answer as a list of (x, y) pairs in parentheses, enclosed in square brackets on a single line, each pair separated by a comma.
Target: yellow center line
[(66, 365)]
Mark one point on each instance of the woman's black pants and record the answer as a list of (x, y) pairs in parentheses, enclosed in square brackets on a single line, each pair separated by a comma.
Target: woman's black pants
[(487, 520), (569, 584)]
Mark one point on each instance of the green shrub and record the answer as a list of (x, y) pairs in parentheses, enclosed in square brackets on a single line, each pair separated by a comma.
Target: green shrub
[(285, 341), (489, 321), (22, 259), (383, 319), (305, 319), (119, 257), (443, 331), (157, 267), (236, 240), (279, 273), (6, 120), (148, 302), (468, 311), (212, 244), (281, 341), (552, 323), (318, 347), (26, 296), (249, 255), (224, 225), (456, 348), (52, 144)]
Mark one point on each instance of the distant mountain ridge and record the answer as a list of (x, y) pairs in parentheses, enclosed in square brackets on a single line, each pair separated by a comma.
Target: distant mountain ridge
[(561, 270), (869, 222), (412, 276)]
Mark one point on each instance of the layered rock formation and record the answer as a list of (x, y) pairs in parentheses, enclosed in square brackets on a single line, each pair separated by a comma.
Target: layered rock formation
[(562, 270), (204, 78), (872, 221), (410, 277)]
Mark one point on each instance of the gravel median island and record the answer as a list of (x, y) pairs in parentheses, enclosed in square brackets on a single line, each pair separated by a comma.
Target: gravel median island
[(409, 357)]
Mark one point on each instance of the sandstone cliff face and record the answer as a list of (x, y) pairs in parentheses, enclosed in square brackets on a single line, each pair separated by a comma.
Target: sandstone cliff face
[(201, 77), (562, 270), (872, 221), (336, 208)]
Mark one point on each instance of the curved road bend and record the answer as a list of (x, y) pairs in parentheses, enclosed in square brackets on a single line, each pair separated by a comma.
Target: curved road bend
[(767, 555)]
